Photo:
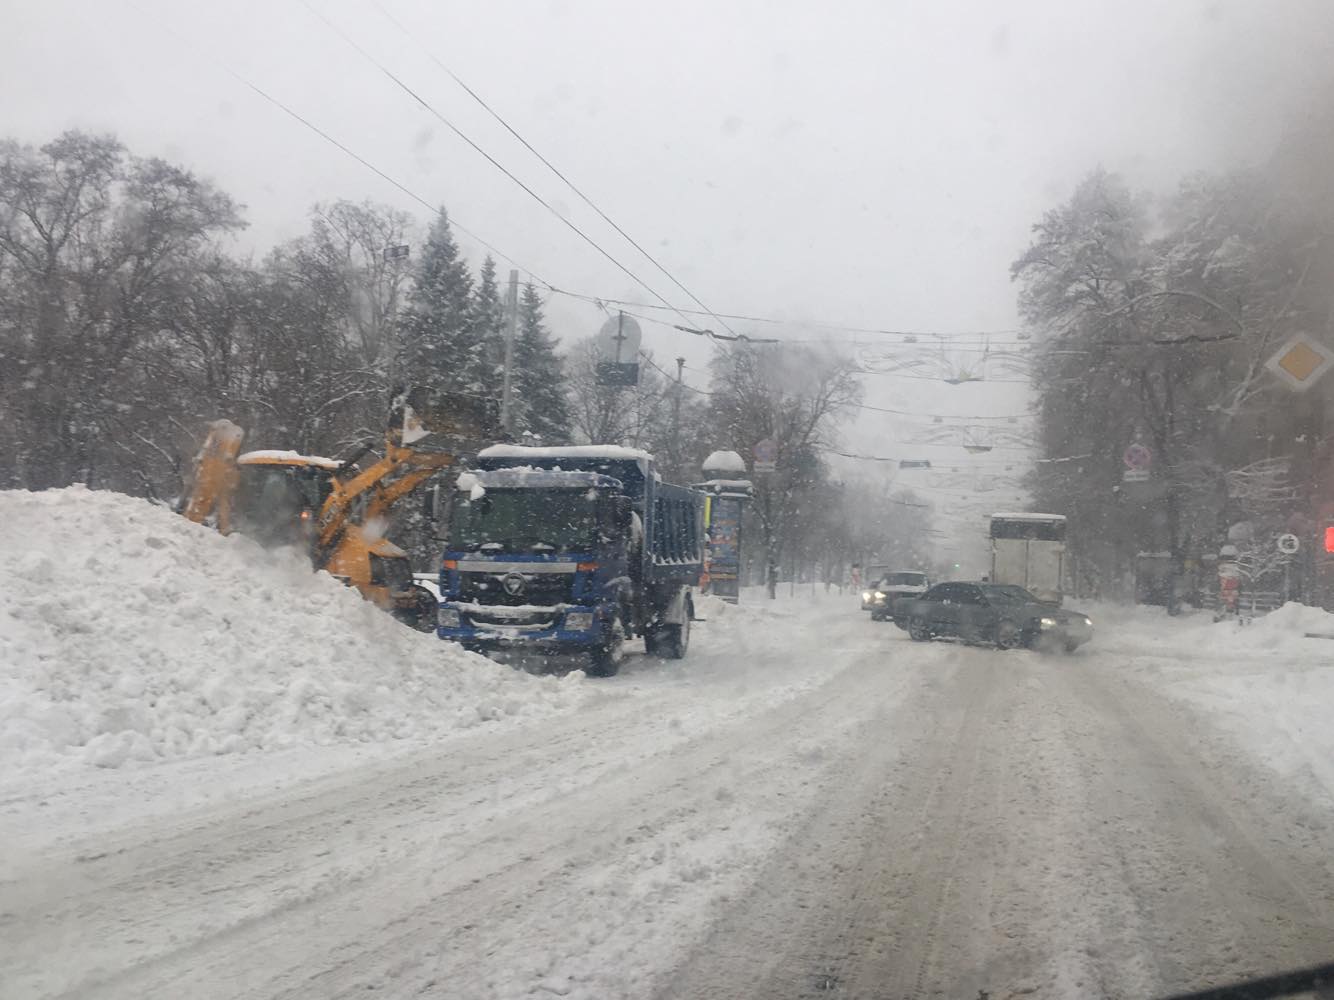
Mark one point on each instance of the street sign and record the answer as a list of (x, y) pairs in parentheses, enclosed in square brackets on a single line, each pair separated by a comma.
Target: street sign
[(1301, 362), (765, 454), (618, 351), (396, 252), (1137, 456), (1288, 544), (1135, 476), (619, 340)]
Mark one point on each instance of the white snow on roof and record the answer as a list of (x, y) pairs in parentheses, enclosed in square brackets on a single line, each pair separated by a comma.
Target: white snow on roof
[(741, 487), (724, 461), (610, 451), (276, 455), (1027, 516), (530, 478)]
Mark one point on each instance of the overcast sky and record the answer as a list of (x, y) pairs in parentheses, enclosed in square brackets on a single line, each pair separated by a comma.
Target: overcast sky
[(871, 163)]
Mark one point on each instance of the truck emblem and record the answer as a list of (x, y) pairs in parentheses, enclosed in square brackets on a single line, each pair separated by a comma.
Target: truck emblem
[(513, 584)]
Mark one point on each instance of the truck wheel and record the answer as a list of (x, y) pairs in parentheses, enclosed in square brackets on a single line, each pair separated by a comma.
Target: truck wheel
[(673, 641), (606, 659), (917, 630), (422, 614)]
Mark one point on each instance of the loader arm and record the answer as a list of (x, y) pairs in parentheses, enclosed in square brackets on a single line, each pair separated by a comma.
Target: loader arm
[(213, 492), (427, 430), (382, 485)]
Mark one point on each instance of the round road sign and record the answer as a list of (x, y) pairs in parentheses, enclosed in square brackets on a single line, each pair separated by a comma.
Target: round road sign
[(1288, 544), (1137, 456)]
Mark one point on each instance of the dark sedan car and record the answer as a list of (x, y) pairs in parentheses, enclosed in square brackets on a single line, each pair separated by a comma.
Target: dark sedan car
[(1001, 614)]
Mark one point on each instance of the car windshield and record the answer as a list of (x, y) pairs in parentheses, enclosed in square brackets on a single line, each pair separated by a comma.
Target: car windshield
[(526, 520)]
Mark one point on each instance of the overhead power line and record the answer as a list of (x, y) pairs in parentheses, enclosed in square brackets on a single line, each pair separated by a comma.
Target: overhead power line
[(817, 324), (488, 157), (932, 378), (307, 123), (552, 167), (942, 416)]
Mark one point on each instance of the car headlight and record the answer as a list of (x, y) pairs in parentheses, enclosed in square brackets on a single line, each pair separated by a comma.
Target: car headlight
[(866, 595), (879, 596), (448, 618), (579, 621), (1048, 622), (1088, 621)]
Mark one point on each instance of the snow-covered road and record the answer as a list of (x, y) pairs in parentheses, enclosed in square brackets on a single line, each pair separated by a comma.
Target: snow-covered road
[(794, 810)]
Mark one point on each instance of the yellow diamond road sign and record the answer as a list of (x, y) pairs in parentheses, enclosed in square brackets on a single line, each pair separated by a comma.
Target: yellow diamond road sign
[(1301, 362)]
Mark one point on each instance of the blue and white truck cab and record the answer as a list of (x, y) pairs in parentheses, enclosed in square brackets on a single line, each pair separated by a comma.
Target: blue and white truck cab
[(570, 550)]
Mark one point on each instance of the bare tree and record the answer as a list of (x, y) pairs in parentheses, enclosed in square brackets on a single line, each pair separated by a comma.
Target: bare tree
[(791, 395)]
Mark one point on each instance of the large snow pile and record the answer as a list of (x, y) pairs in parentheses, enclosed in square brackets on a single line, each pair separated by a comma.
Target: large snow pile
[(128, 633), (1270, 682)]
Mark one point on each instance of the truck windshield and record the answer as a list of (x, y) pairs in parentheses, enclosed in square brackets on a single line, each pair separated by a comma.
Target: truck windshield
[(525, 520)]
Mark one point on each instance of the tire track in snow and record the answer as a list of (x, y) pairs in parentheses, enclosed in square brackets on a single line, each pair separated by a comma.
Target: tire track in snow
[(386, 867), (1053, 834)]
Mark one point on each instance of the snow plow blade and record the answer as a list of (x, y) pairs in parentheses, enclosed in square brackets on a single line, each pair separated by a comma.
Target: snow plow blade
[(429, 420)]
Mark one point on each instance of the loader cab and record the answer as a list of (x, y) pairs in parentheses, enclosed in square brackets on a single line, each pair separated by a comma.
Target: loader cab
[(279, 495)]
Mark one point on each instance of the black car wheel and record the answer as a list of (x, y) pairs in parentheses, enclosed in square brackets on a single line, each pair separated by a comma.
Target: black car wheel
[(917, 630), (1008, 636)]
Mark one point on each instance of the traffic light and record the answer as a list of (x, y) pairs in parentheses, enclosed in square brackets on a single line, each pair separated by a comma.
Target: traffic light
[(1329, 538)]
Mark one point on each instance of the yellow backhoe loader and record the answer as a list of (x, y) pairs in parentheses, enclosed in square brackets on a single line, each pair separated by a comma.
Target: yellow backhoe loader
[(337, 512)]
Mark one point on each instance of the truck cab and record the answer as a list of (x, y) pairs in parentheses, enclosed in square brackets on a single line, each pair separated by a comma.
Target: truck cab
[(572, 550)]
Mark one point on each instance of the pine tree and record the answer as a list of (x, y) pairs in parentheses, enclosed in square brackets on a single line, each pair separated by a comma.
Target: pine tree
[(488, 326), (542, 407), (439, 346)]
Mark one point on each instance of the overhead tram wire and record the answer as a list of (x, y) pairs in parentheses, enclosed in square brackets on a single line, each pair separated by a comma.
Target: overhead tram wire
[(489, 158), (552, 167), (502, 255), (817, 324), (297, 116), (551, 288), (889, 409)]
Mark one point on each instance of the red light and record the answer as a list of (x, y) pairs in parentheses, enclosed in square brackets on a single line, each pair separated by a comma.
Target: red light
[(1329, 538)]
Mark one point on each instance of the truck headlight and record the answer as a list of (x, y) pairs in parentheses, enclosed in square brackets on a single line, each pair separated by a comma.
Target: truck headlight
[(448, 618), (579, 621)]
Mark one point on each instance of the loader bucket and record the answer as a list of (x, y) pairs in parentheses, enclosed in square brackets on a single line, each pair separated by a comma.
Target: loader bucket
[(214, 485), (432, 420)]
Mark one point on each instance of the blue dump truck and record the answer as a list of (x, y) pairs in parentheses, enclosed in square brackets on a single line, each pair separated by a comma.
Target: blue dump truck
[(571, 550)]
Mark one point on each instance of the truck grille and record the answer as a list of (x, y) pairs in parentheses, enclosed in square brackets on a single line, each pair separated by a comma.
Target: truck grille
[(544, 589), (523, 619)]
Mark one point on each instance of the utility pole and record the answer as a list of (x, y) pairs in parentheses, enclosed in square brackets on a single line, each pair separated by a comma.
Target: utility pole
[(511, 333), (676, 419)]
